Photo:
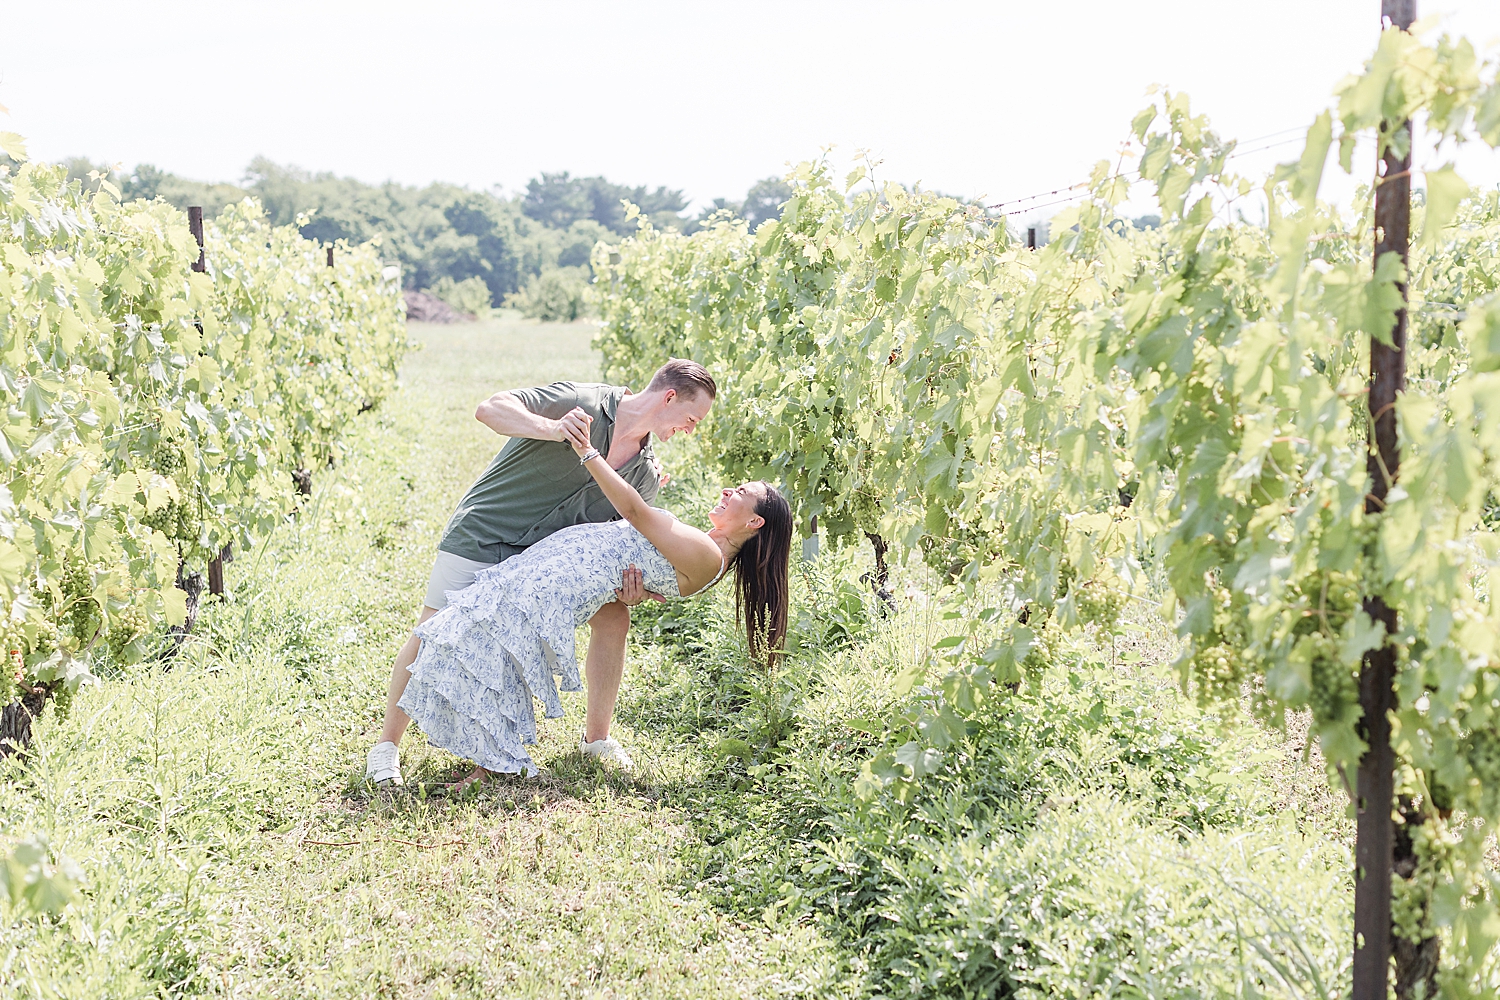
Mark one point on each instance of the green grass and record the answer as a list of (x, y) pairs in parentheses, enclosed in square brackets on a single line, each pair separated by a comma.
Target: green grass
[(203, 802), (230, 847)]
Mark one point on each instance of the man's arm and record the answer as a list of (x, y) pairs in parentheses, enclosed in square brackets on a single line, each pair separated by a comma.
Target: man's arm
[(504, 414)]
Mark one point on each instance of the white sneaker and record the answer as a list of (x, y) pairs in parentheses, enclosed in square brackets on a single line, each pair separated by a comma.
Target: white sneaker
[(383, 766), (607, 749)]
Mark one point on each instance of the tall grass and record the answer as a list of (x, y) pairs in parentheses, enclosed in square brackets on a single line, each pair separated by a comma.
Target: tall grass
[(217, 810), (1095, 833)]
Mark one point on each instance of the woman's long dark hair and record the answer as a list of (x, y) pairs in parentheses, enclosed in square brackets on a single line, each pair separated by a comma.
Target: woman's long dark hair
[(760, 578)]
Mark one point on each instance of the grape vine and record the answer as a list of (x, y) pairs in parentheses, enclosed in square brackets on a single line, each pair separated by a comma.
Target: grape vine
[(1177, 412), (152, 415)]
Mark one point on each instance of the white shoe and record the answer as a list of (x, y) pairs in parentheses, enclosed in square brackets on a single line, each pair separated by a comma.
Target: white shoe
[(608, 749), (383, 766)]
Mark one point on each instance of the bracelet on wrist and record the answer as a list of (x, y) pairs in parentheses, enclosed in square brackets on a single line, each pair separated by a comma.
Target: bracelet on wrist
[(588, 456)]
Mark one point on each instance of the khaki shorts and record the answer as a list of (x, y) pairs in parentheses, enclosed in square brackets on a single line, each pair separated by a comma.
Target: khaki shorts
[(450, 572)]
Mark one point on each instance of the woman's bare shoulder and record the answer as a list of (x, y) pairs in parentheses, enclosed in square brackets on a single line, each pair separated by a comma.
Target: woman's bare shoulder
[(698, 558)]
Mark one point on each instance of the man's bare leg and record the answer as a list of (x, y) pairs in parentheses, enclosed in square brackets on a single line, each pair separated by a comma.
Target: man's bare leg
[(396, 720), (603, 667)]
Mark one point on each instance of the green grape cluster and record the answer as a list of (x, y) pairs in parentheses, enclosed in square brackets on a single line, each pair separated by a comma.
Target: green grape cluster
[(127, 628), (1040, 657), (175, 520), (13, 670), (1066, 575), (1219, 670), (1335, 689), (1434, 845), (46, 639), (1219, 662), (62, 700), (863, 509), (1097, 604), (1328, 597), (169, 456), (966, 542), (179, 519), (83, 618)]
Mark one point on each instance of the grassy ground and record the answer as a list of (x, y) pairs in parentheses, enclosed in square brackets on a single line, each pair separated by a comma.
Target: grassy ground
[(231, 848), (218, 812)]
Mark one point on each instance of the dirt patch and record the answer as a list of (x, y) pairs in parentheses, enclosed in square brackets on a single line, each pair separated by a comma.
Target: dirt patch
[(426, 308)]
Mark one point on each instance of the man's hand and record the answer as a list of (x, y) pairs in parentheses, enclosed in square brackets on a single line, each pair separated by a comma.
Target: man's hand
[(632, 589), (663, 477)]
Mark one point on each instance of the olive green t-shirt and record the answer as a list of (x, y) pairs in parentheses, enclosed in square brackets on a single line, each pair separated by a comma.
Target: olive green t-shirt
[(533, 488)]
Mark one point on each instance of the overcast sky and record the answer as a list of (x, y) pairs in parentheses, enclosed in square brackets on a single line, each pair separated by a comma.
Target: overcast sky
[(1000, 98)]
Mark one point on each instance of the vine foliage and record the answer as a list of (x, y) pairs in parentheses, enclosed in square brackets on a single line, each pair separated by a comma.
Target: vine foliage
[(1176, 413), (150, 415)]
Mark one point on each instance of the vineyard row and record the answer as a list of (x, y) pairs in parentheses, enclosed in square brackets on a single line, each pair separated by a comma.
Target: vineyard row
[(1176, 414), (160, 402)]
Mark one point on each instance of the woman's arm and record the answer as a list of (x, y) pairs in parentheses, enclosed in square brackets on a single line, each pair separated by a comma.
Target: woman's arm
[(690, 551), (630, 504)]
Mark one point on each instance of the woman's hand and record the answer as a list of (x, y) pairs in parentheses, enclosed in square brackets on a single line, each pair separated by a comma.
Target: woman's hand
[(575, 429)]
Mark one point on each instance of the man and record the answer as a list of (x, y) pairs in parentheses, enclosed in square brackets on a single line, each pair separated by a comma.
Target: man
[(535, 486)]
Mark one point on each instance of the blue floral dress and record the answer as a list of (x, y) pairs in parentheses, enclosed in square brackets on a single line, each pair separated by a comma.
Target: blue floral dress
[(508, 639)]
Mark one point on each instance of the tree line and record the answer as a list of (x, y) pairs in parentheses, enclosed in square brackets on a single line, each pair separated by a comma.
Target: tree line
[(472, 247)]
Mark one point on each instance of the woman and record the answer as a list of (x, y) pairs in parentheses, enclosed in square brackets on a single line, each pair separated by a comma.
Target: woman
[(499, 643)]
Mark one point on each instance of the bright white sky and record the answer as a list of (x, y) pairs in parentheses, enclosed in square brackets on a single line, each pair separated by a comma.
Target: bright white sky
[(999, 98)]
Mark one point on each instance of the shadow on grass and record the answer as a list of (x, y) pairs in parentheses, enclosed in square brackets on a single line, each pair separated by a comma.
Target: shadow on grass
[(569, 777)]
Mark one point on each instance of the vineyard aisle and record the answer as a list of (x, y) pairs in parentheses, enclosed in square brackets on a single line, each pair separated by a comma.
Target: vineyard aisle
[(230, 846)]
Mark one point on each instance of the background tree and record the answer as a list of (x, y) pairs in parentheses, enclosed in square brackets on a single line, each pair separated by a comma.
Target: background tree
[(764, 200), (559, 200), (451, 235)]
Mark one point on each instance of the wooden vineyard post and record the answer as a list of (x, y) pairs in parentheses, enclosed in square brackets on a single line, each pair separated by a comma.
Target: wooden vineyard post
[(880, 577), (226, 554), (1031, 237), (195, 224), (192, 583), (1375, 791), (216, 569), (330, 255)]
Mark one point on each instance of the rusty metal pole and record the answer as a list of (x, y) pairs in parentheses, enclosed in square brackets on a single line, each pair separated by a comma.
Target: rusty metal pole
[(1377, 698)]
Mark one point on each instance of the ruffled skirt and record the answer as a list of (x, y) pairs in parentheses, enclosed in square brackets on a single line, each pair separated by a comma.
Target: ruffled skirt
[(483, 661)]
